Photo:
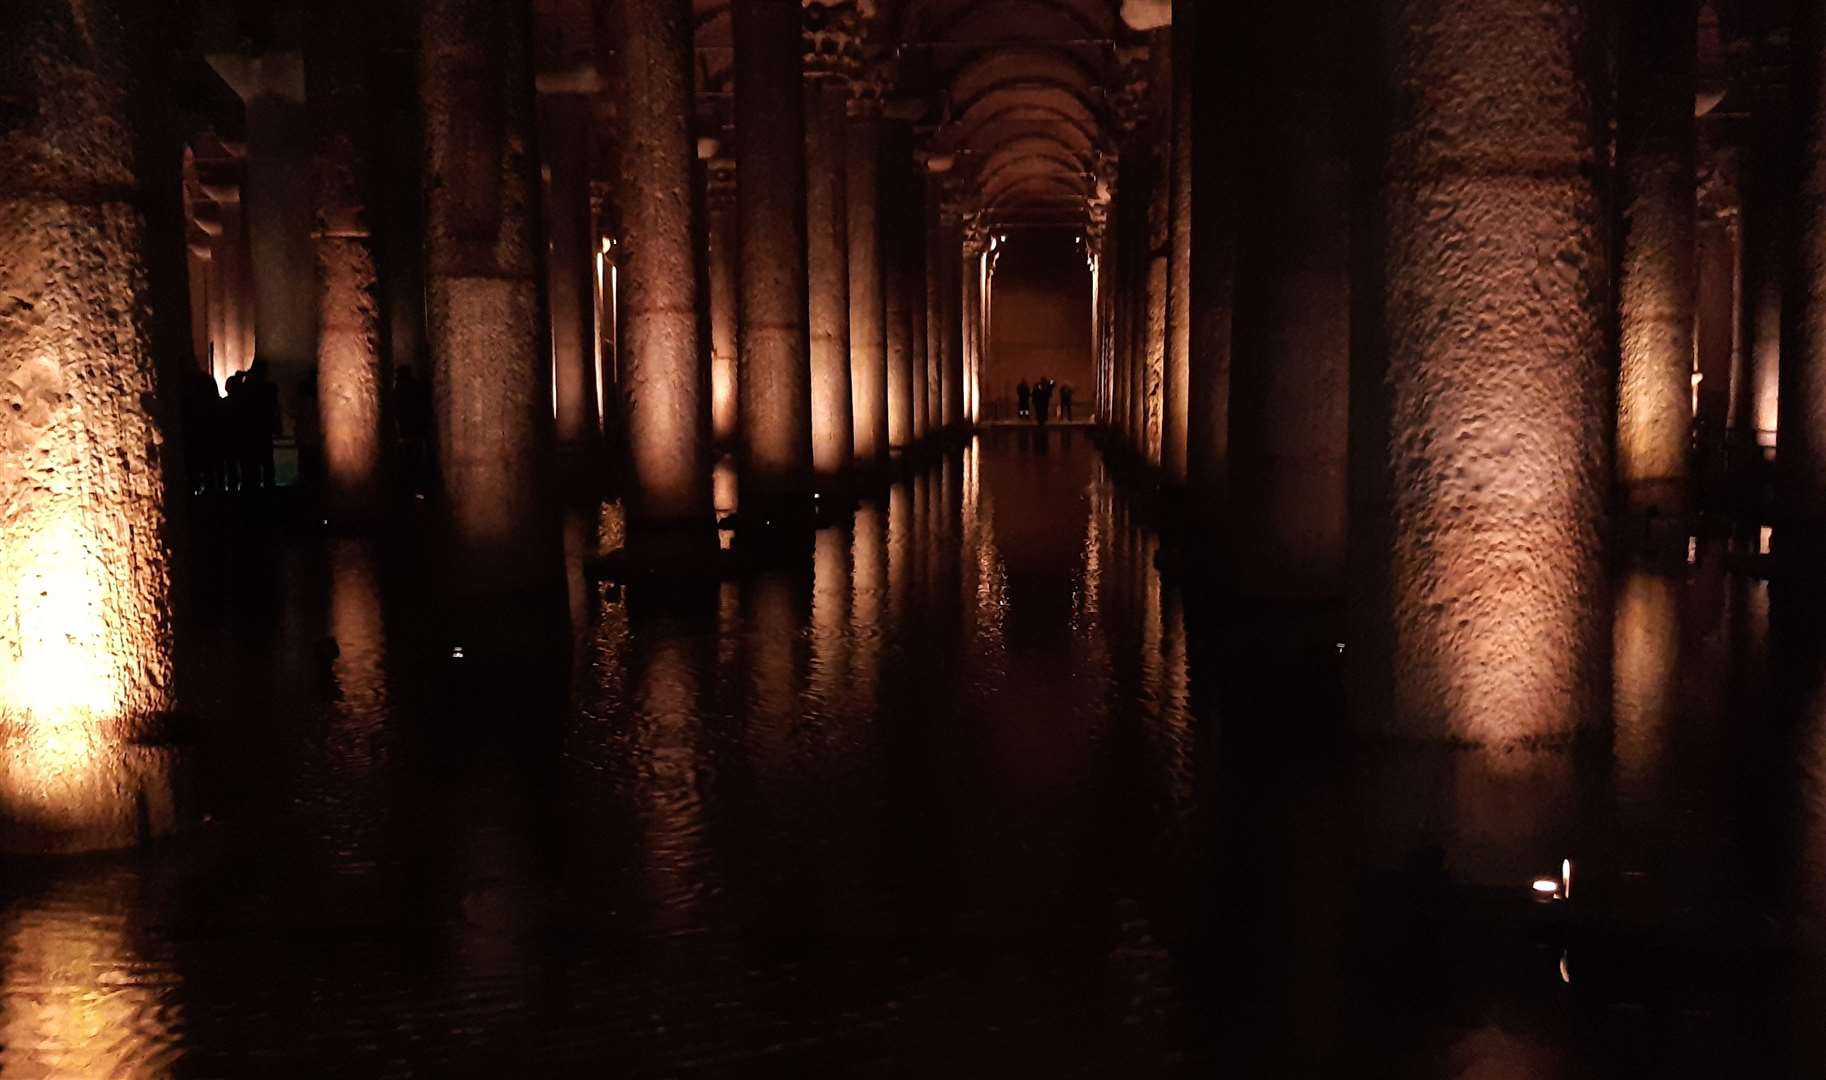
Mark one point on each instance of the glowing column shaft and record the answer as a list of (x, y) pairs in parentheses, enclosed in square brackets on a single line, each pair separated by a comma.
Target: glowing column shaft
[(492, 386), (349, 375), (868, 324), (1656, 281), (1803, 360), (774, 386), (1484, 432), (1175, 387), (897, 284), (85, 632), (663, 383), (828, 275)]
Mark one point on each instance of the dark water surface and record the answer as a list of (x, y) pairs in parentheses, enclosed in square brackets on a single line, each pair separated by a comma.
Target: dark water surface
[(975, 793)]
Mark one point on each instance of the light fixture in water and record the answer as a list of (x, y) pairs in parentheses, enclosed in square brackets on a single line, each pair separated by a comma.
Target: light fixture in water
[(1546, 887), (456, 652), (1555, 888)]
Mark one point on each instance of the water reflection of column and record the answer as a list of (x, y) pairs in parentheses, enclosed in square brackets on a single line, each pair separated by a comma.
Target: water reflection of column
[(1647, 643), (868, 598), (830, 616), (920, 542), (76, 1000), (354, 745), (668, 691), (900, 551)]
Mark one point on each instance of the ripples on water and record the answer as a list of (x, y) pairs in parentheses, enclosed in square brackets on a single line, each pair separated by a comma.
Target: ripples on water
[(971, 789)]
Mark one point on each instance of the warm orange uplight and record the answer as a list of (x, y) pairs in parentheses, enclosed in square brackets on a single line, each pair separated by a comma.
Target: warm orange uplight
[(1546, 886)]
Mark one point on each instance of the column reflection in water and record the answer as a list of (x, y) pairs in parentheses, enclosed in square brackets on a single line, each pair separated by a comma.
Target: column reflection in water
[(829, 682), (351, 804), (900, 551), (674, 768), (77, 998), (868, 600), (1645, 674)]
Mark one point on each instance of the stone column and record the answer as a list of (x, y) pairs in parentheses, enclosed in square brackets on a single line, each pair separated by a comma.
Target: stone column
[(1768, 190), (1216, 91), (85, 583), (1175, 385), (1482, 615), (566, 115), (869, 378), (724, 418), (828, 64), (975, 316), (1657, 186), (1803, 363), (1140, 270), (280, 210), (349, 357), (950, 314), (919, 307), (1290, 377), (897, 284), (774, 386), (492, 382), (664, 386), (936, 335)]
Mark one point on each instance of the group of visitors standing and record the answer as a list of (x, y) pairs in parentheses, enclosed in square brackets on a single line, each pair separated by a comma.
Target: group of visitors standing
[(228, 435), (1036, 401)]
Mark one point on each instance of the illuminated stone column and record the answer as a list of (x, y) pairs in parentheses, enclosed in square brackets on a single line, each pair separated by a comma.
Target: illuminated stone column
[(975, 318), (85, 596), (1803, 362), (827, 227), (919, 312), (724, 417), (1160, 224), (775, 385), (950, 314), (349, 359), (1481, 584), (1768, 190), (1140, 267), (936, 333), (1656, 280), (664, 387), (566, 114), (869, 378), (897, 284), (492, 384), (1290, 376), (1175, 385), (1216, 91)]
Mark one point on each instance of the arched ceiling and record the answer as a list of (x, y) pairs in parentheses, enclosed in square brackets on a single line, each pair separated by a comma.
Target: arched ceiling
[(1017, 92)]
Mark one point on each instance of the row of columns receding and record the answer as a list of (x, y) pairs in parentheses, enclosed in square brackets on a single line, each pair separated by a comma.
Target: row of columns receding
[(1392, 325)]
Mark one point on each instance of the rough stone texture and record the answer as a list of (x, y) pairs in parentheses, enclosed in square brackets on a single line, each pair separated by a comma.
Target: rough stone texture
[(897, 285), (973, 333), (349, 357), (570, 269), (936, 335), (1656, 180), (482, 301), (1213, 281), (774, 387), (1290, 375), (1176, 377), (951, 317), (724, 366), (828, 275), (1155, 368), (919, 295), (85, 632), (1768, 190), (665, 389), (1483, 611), (1803, 363), (868, 326)]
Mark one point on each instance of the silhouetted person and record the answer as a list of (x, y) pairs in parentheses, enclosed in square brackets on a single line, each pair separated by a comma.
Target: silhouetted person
[(1042, 401), (232, 420), (1022, 394), (1065, 402), (203, 432), (412, 423), (260, 425)]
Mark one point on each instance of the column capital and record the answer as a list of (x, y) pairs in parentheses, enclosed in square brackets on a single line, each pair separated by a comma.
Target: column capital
[(832, 35)]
